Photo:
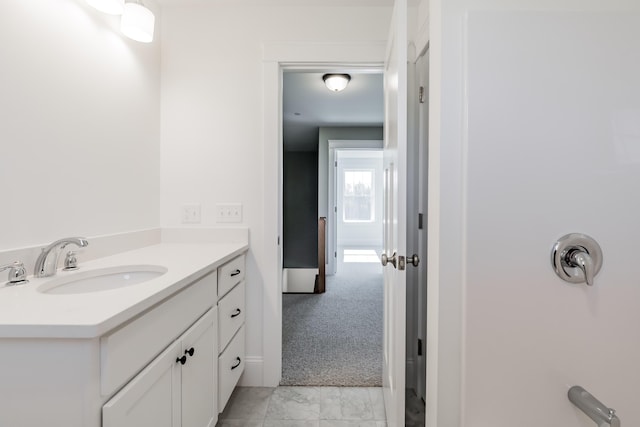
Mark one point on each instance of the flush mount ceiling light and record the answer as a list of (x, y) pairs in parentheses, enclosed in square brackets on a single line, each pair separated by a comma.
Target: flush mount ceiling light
[(112, 7), (137, 22), (336, 82)]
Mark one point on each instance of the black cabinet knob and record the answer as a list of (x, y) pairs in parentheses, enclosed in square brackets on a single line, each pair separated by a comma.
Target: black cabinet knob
[(181, 360), (235, 273), (190, 351), (236, 313)]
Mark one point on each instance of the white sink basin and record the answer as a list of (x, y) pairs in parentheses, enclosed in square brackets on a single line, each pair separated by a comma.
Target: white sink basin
[(103, 279)]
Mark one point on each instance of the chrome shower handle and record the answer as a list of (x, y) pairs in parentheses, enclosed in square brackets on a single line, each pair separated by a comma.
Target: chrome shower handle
[(576, 258), (579, 257)]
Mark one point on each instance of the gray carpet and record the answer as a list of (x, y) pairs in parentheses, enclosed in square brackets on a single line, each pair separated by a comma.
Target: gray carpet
[(335, 338)]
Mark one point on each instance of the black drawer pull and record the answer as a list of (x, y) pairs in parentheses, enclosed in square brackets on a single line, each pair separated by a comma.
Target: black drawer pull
[(190, 351), (237, 313), (235, 273), (181, 360), (237, 364)]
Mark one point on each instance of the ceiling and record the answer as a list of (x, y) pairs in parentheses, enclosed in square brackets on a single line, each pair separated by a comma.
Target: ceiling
[(348, 3), (308, 105)]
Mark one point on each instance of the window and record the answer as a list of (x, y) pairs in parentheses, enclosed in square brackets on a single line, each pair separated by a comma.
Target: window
[(358, 191)]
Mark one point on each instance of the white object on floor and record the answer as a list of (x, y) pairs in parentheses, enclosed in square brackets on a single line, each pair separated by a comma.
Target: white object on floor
[(299, 279)]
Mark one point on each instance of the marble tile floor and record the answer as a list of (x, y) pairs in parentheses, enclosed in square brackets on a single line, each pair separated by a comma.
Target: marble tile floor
[(304, 407)]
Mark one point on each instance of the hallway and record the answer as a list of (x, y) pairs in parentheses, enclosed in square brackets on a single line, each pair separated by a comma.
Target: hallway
[(335, 338)]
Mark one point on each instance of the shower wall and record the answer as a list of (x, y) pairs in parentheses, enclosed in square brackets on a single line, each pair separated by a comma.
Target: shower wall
[(539, 136)]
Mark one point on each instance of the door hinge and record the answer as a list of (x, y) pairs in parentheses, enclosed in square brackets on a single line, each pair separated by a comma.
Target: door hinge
[(278, 240), (421, 95), (420, 221), (335, 209), (336, 163), (419, 347), (335, 254)]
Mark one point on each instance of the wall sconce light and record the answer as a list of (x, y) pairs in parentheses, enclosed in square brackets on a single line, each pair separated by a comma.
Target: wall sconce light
[(137, 22), (336, 82), (111, 7)]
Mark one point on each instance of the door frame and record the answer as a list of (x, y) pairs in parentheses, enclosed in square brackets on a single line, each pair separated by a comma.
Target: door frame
[(332, 221), (422, 148), (278, 57)]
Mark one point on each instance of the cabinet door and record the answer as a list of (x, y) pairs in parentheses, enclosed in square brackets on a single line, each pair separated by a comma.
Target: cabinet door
[(148, 399), (230, 368), (199, 406)]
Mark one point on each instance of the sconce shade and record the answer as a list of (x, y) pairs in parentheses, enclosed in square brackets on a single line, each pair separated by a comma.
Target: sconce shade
[(336, 82), (112, 7), (137, 22)]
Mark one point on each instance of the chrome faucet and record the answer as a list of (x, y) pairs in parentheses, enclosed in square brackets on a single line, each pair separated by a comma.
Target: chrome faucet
[(46, 264), (593, 408)]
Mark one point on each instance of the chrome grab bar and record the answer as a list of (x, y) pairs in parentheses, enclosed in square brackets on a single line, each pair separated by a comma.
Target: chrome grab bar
[(596, 410)]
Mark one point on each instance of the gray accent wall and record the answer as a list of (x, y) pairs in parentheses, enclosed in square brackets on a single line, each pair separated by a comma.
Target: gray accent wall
[(300, 210)]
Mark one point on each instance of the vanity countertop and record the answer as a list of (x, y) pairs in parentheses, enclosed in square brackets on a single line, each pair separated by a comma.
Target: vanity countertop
[(27, 313)]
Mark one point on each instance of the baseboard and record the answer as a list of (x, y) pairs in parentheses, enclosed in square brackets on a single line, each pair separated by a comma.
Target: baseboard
[(252, 375)]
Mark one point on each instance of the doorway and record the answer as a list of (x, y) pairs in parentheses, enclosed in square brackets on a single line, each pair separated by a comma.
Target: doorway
[(358, 207), (350, 149), (334, 338), (279, 57)]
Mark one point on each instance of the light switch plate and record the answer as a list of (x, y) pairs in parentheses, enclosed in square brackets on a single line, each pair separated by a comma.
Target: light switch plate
[(229, 212), (191, 214)]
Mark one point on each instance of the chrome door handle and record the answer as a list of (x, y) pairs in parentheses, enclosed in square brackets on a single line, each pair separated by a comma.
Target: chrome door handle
[(413, 259), (392, 259)]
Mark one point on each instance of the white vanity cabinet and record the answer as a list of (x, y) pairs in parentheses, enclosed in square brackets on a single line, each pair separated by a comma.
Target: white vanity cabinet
[(231, 315), (141, 356), (176, 389)]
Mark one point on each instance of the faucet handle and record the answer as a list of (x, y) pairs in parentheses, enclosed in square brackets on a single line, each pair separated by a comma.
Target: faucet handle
[(576, 258), (70, 261), (17, 273), (579, 257)]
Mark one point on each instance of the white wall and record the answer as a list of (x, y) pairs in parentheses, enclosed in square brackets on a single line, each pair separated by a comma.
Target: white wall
[(80, 124), (212, 141), (339, 133), (535, 109)]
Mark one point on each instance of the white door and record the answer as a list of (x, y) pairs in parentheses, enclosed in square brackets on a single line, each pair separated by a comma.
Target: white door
[(394, 216), (198, 373), (552, 146), (150, 399)]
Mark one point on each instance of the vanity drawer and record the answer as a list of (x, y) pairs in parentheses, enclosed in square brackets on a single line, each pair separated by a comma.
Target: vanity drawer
[(125, 351), (231, 310), (230, 367), (230, 274)]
